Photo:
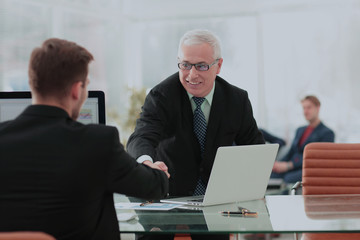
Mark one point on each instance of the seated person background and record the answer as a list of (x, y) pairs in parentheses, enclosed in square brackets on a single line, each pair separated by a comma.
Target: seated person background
[(289, 168), (271, 138), (58, 175)]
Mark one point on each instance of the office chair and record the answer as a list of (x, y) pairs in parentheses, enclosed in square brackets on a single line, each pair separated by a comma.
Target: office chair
[(22, 235), (330, 168)]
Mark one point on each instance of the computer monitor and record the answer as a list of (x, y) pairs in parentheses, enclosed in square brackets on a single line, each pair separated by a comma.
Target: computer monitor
[(13, 103)]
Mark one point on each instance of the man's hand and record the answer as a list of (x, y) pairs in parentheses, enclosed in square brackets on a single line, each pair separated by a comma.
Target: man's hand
[(158, 165), (280, 167)]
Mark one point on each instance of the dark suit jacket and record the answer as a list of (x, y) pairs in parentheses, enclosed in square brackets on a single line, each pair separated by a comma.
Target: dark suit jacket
[(320, 134), (58, 176), (165, 130)]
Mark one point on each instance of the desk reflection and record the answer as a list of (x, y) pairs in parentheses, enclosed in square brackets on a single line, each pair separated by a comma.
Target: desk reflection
[(332, 206), (276, 214)]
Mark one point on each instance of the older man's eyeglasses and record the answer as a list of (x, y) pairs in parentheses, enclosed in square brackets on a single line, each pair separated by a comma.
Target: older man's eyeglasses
[(198, 66)]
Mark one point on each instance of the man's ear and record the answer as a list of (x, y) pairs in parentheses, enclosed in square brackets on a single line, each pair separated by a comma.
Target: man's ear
[(220, 62), (76, 90)]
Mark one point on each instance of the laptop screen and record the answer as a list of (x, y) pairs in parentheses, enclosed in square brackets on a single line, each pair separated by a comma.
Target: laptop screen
[(13, 103)]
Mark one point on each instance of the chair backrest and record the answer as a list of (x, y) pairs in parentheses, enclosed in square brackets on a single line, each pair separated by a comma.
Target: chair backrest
[(331, 168), (25, 236)]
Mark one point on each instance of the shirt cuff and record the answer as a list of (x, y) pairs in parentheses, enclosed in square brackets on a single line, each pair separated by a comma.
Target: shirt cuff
[(143, 158)]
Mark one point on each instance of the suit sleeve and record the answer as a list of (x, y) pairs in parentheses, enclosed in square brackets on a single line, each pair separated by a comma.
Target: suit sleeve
[(150, 127), (249, 132), (288, 156), (327, 136), (128, 177)]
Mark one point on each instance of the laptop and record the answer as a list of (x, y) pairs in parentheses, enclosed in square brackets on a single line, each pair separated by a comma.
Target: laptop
[(239, 173), (13, 103)]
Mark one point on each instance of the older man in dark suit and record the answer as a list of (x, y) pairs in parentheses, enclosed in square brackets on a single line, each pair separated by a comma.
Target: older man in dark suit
[(56, 174), (186, 117), (190, 114)]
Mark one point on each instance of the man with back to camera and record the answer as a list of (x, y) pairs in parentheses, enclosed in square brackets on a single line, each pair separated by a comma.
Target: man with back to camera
[(186, 117), (57, 175), (289, 167)]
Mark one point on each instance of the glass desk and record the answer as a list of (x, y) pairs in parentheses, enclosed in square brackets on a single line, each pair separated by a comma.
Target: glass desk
[(276, 214)]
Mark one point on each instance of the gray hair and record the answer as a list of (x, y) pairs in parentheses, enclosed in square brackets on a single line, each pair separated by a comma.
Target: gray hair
[(199, 36)]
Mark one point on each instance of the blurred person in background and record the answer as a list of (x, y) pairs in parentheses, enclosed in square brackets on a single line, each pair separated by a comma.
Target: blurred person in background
[(289, 168)]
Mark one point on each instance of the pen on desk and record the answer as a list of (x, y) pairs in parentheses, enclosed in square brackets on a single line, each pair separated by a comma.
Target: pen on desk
[(243, 210), (231, 213), (146, 203), (250, 214), (246, 214)]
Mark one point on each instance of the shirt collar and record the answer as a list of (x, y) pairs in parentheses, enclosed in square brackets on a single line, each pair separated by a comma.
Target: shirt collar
[(208, 97)]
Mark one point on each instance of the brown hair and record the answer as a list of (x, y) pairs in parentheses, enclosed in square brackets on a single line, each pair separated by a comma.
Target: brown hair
[(56, 66), (312, 99)]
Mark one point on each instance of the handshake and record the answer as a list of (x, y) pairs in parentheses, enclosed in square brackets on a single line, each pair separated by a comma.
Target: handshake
[(158, 165)]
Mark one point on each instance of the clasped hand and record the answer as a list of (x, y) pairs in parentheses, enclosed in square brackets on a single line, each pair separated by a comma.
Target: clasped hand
[(158, 165)]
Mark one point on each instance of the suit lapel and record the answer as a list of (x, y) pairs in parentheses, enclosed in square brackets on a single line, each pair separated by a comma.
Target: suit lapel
[(186, 109), (298, 137), (314, 135), (216, 112), (187, 123)]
